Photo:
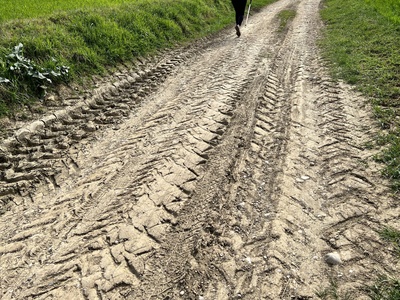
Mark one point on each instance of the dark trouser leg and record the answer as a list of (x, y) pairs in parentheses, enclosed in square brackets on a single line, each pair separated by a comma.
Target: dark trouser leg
[(240, 6)]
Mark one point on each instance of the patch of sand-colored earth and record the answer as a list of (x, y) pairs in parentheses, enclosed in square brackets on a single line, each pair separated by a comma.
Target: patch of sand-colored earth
[(225, 170)]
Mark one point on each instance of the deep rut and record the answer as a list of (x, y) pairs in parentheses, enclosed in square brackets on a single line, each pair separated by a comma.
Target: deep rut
[(226, 170)]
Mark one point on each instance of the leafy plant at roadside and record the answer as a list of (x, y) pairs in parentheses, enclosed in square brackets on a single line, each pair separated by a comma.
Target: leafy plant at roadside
[(20, 74), (19, 68)]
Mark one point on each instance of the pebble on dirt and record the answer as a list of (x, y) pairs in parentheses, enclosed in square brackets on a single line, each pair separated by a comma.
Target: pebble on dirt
[(333, 258)]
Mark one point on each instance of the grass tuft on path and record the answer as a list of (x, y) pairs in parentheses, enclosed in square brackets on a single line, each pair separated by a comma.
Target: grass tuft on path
[(385, 288), (285, 17)]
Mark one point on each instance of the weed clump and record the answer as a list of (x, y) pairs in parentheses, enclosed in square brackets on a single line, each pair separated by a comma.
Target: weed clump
[(19, 73)]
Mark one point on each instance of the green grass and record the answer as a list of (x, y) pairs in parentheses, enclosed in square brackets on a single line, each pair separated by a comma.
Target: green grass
[(385, 287), (92, 36), (388, 8), (26, 9), (393, 236), (362, 43), (285, 16)]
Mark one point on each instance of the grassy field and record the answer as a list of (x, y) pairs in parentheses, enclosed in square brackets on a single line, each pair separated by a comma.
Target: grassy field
[(87, 37), (361, 43), (26, 9), (388, 8)]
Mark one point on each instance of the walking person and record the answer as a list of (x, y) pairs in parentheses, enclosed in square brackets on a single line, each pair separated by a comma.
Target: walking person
[(240, 7)]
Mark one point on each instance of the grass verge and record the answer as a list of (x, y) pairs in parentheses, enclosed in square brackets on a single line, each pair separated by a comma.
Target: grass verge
[(90, 36), (363, 45), (361, 41), (385, 288), (388, 8), (392, 236)]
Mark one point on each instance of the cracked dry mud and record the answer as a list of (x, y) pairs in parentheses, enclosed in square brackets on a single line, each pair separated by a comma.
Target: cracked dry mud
[(224, 170)]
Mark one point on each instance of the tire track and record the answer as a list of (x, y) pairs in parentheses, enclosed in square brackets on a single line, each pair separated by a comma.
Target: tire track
[(196, 259), (309, 202), (260, 227), (32, 155), (103, 217)]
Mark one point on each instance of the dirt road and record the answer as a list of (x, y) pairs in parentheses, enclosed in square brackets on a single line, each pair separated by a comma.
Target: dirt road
[(225, 170)]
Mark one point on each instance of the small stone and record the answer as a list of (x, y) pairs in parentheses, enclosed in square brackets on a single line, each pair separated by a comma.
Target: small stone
[(182, 293), (90, 126), (333, 258), (305, 177), (50, 98), (36, 126), (22, 135)]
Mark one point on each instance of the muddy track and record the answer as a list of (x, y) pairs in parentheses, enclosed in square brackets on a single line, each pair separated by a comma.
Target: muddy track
[(225, 170)]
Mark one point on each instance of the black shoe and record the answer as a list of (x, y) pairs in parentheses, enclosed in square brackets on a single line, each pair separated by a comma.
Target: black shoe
[(237, 30)]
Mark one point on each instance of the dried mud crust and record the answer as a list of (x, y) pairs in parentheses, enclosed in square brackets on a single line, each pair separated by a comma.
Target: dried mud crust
[(226, 171)]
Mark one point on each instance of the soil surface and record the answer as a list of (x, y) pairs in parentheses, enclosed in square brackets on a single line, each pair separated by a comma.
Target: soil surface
[(228, 169)]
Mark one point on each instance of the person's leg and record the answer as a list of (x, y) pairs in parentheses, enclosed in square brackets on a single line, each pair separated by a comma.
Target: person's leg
[(241, 7)]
